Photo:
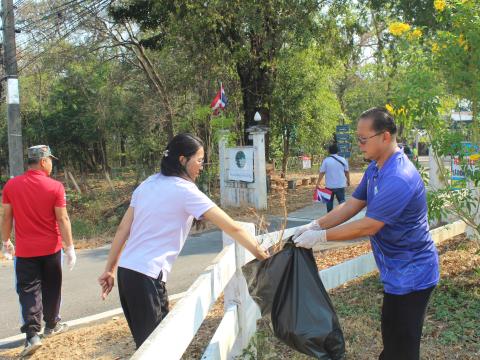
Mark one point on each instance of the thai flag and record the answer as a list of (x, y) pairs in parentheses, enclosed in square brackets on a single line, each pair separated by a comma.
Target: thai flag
[(322, 195), (220, 101)]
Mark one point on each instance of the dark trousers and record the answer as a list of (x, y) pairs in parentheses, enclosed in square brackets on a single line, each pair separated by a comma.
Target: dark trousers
[(39, 284), (340, 194), (402, 322), (144, 302)]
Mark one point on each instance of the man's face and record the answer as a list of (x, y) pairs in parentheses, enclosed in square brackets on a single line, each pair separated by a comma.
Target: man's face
[(370, 142)]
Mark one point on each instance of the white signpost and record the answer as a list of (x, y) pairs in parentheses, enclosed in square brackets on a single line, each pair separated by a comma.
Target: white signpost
[(243, 177)]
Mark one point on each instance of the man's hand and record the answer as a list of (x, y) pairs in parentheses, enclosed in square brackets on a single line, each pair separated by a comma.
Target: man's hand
[(310, 238), (106, 281), (8, 249), (70, 256), (310, 226)]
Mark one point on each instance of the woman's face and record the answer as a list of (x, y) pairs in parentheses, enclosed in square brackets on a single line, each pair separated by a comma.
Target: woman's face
[(195, 164)]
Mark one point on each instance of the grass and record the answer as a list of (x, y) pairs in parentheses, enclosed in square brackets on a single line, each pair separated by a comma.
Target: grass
[(452, 324)]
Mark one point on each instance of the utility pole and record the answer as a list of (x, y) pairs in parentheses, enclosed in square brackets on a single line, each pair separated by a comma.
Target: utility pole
[(15, 146)]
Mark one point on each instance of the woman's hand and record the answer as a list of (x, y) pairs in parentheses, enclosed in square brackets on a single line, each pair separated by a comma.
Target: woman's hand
[(106, 281)]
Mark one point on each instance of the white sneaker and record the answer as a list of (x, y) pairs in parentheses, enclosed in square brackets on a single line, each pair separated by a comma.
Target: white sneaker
[(58, 329), (31, 345)]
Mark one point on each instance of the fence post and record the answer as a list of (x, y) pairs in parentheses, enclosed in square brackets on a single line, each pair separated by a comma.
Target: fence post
[(236, 293)]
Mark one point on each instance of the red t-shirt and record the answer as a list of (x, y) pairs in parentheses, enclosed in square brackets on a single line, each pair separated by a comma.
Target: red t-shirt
[(33, 197)]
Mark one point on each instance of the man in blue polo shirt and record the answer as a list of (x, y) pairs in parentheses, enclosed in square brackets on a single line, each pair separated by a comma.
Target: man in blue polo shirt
[(396, 221)]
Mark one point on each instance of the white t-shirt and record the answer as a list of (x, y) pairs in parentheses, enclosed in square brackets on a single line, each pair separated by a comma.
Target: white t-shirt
[(334, 172), (164, 208)]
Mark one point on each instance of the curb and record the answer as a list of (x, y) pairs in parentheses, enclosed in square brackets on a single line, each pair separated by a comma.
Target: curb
[(16, 340)]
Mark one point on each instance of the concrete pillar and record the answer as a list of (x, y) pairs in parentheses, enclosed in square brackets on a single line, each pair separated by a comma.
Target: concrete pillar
[(260, 171), (222, 158), (434, 182)]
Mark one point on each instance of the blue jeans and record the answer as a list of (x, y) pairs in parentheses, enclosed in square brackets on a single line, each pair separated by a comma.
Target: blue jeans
[(340, 194)]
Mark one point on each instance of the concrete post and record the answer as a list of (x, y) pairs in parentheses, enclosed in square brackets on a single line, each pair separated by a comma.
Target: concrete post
[(222, 153), (260, 171)]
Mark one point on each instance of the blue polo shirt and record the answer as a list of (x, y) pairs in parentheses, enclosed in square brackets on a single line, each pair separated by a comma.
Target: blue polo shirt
[(403, 249)]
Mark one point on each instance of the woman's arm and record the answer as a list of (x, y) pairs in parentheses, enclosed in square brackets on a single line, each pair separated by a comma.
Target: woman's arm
[(107, 279), (232, 228)]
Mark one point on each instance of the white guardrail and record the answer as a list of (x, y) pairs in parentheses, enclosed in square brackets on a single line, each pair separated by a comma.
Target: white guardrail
[(173, 335)]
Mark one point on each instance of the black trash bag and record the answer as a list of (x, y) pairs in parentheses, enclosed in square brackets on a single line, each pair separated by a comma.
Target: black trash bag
[(291, 295)]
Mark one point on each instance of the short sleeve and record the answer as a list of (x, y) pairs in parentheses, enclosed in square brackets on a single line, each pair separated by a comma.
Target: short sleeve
[(133, 201), (346, 165), (196, 202), (323, 167), (360, 192), (60, 197), (6, 194), (390, 201)]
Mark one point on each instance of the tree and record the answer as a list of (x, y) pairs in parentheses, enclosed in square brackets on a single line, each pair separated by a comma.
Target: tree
[(250, 34), (305, 105)]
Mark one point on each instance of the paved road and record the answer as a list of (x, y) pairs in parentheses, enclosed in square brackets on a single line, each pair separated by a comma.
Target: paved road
[(81, 295)]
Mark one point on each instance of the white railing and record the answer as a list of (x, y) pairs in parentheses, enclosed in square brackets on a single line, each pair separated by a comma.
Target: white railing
[(172, 337)]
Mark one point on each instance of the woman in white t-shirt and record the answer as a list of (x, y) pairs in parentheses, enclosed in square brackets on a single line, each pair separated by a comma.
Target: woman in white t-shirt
[(156, 225)]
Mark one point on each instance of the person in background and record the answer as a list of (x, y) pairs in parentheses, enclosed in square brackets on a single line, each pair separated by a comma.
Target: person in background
[(337, 175), (396, 220), (37, 204), (154, 230)]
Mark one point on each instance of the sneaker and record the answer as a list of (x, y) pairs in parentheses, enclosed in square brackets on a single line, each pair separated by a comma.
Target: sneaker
[(31, 345), (59, 328)]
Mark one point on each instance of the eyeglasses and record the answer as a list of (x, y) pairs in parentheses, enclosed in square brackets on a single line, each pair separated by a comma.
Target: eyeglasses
[(363, 140)]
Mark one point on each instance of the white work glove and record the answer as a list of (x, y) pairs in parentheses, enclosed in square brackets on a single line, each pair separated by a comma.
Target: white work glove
[(70, 256), (310, 226), (8, 250), (310, 238)]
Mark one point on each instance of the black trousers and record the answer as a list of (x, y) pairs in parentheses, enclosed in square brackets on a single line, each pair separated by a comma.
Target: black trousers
[(39, 284), (402, 322), (144, 302)]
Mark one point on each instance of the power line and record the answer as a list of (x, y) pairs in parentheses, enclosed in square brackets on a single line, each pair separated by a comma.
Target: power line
[(78, 21)]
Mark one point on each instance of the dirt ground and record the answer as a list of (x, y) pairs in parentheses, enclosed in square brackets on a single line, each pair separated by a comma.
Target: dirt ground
[(357, 304)]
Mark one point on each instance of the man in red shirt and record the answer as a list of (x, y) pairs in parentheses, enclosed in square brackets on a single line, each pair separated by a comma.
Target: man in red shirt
[(37, 203)]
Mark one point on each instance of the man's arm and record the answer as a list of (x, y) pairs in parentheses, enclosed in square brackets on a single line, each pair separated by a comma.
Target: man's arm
[(347, 175), (355, 229), (7, 222), (64, 226), (320, 177), (341, 213)]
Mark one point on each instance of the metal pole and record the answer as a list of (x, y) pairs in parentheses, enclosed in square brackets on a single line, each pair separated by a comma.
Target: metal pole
[(15, 146)]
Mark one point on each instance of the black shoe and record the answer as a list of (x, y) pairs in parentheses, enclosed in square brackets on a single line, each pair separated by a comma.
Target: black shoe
[(59, 328), (31, 345)]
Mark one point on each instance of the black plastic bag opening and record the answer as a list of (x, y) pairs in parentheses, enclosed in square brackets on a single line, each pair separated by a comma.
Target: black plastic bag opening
[(289, 292)]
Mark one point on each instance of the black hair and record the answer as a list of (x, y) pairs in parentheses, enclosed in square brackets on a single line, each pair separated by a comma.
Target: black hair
[(183, 144), (31, 162), (382, 120), (333, 149)]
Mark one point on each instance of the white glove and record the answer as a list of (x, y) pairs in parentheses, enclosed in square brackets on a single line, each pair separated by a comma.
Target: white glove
[(310, 238), (70, 256), (8, 250), (310, 226)]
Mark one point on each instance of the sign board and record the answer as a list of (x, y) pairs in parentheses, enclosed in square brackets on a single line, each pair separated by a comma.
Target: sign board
[(306, 162), (471, 159), (343, 128), (343, 147), (343, 137), (240, 164), (346, 154)]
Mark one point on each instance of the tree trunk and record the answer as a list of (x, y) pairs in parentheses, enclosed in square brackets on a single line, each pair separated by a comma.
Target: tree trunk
[(257, 89), (123, 157), (286, 151)]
